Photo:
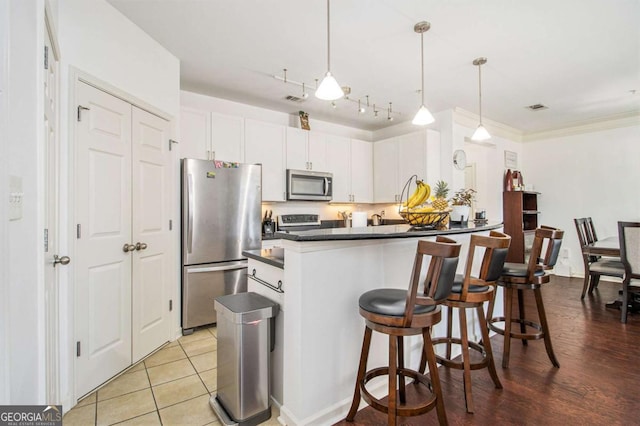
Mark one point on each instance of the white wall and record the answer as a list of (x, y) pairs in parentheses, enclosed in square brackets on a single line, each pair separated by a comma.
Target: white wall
[(98, 40), (4, 241), (24, 262), (592, 174)]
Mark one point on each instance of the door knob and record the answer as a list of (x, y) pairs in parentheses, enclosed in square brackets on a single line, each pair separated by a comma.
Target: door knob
[(128, 247), (141, 246), (64, 260)]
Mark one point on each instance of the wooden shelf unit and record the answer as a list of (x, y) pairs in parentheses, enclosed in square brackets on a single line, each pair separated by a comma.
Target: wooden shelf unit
[(520, 216)]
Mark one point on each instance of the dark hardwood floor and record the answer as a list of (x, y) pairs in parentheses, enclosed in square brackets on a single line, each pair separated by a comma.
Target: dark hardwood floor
[(598, 382)]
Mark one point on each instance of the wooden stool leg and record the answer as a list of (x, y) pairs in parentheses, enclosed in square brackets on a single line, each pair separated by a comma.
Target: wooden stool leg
[(466, 361), (393, 376), (486, 343), (362, 368), (433, 374), (508, 309), (449, 328), (523, 327), (403, 393), (545, 327)]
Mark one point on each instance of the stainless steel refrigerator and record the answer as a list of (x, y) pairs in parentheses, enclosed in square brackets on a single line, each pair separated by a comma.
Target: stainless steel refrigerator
[(221, 208)]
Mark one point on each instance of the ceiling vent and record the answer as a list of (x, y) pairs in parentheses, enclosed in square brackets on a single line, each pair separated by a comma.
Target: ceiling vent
[(537, 107), (295, 99)]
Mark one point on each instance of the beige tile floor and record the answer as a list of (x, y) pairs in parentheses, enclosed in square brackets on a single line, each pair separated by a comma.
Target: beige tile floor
[(171, 387)]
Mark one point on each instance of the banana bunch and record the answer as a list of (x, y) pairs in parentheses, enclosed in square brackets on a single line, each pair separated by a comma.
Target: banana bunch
[(419, 196)]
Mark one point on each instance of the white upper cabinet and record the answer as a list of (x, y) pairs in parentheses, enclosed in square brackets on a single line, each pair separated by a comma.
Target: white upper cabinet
[(339, 163), (361, 171), (195, 133), (412, 157), (265, 143), (306, 150), (318, 151), (351, 162), (227, 138), (385, 171), (396, 159), (211, 136), (297, 149)]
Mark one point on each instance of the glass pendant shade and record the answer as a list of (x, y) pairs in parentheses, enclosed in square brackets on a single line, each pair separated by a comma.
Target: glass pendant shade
[(480, 134), (329, 89), (423, 117)]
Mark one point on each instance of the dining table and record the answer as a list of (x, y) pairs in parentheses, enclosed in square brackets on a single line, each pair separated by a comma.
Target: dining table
[(609, 247)]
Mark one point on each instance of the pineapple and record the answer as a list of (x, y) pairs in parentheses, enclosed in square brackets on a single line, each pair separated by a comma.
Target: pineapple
[(442, 190)]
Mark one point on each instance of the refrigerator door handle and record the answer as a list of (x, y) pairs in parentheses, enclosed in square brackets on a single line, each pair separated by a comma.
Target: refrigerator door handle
[(241, 265), (190, 209)]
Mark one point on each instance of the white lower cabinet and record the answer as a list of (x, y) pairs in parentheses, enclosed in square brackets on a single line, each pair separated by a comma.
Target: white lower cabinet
[(271, 275)]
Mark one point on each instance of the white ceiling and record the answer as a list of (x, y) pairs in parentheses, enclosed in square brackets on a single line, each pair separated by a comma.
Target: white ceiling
[(581, 58)]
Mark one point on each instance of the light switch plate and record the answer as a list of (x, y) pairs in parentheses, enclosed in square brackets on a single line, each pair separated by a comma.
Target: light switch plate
[(15, 197)]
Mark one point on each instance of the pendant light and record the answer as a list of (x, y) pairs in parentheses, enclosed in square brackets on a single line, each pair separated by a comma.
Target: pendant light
[(329, 89), (423, 116), (481, 133)]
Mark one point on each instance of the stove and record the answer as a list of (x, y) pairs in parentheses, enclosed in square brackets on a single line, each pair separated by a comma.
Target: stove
[(298, 222)]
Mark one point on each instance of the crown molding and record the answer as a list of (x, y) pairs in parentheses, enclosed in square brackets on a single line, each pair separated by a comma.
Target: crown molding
[(631, 118), (495, 128)]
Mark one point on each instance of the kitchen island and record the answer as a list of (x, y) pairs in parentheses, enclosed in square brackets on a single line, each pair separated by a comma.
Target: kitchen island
[(325, 272)]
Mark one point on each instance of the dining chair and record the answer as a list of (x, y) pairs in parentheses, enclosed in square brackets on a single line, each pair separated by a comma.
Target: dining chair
[(399, 313), (594, 266), (629, 234)]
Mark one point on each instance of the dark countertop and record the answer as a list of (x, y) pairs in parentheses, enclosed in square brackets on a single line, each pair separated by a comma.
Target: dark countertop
[(381, 232), (273, 257)]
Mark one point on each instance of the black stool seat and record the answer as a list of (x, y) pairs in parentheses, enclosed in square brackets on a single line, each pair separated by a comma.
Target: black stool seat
[(458, 283), (519, 270), (390, 302)]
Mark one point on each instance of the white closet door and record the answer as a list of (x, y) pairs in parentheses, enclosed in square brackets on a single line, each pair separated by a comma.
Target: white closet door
[(103, 212), (152, 189)]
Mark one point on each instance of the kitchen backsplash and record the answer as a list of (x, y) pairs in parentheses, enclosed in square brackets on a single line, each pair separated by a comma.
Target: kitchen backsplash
[(329, 211)]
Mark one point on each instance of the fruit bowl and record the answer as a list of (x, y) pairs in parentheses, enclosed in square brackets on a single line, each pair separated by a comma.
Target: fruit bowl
[(426, 220)]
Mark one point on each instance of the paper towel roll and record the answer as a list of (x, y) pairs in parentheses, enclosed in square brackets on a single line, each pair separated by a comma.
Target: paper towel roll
[(359, 219)]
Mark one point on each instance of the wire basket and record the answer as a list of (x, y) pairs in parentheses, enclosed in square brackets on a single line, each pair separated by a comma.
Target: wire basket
[(421, 219), (426, 220)]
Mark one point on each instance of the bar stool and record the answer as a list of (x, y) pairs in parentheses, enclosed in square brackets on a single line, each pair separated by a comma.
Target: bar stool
[(469, 292), (531, 276), (400, 313)]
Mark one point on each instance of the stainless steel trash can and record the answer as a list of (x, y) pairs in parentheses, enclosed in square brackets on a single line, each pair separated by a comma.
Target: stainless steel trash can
[(245, 340)]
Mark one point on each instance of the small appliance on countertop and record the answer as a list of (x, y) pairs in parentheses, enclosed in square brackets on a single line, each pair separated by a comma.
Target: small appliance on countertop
[(268, 225)]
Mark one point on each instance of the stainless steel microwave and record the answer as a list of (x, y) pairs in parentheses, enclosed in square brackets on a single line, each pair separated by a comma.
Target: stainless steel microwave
[(309, 186)]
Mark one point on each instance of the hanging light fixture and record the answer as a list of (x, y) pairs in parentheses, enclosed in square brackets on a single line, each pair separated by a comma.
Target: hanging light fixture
[(423, 116), (329, 89), (481, 133)]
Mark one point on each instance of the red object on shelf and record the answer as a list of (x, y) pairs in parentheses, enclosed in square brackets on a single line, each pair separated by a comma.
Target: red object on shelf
[(508, 182)]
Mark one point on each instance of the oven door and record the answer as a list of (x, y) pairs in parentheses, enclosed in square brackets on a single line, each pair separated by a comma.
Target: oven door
[(309, 186)]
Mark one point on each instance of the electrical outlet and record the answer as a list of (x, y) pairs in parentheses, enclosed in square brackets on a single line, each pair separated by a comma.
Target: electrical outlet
[(15, 197)]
